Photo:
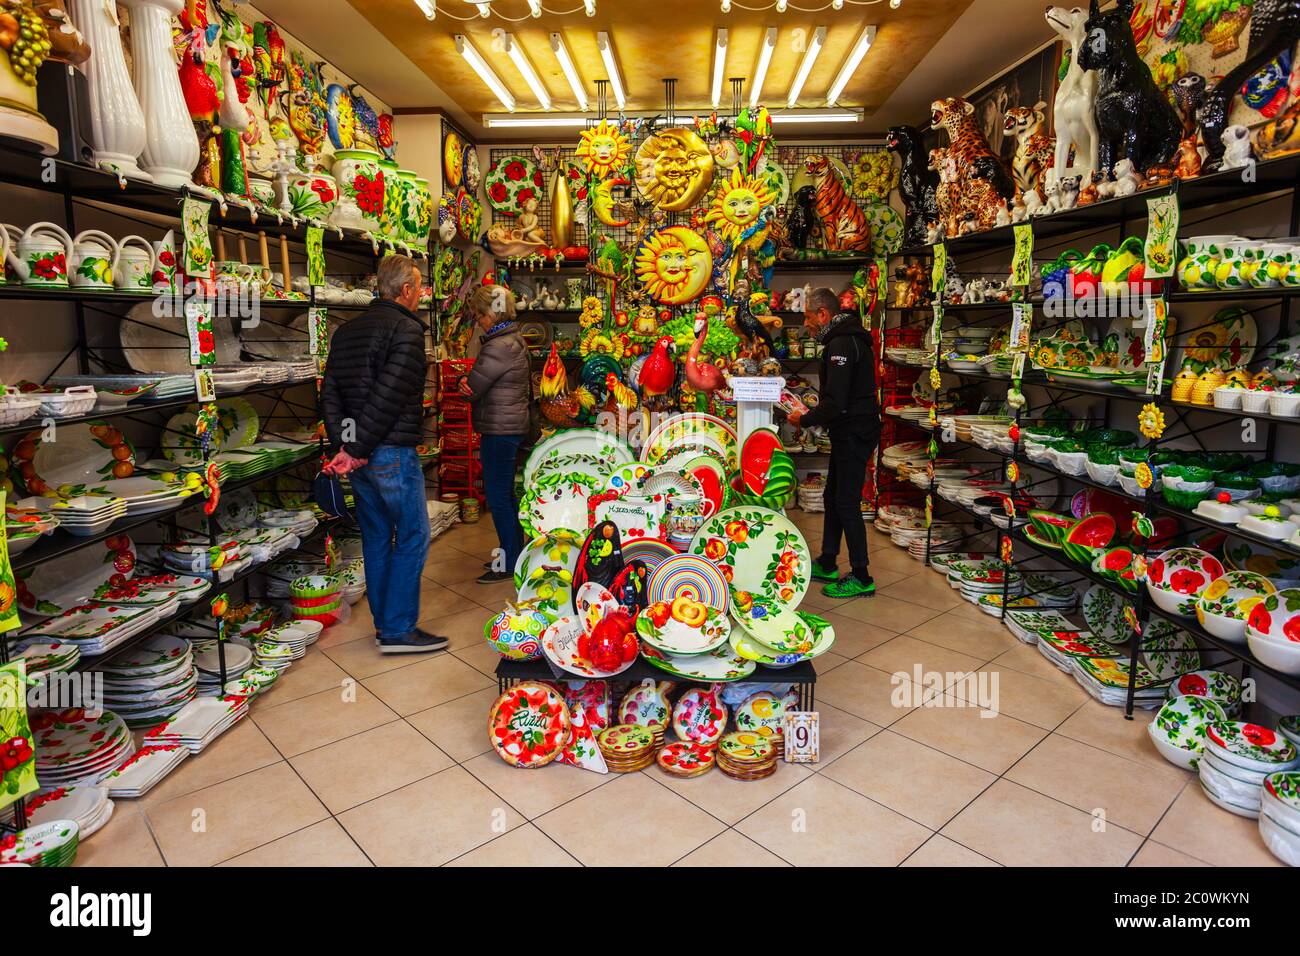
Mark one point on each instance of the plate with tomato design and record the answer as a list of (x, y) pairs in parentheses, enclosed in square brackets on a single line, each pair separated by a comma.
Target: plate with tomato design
[(760, 552), (685, 759), (529, 725), (563, 643), (511, 181), (720, 665), (683, 626), (69, 580), (700, 715)]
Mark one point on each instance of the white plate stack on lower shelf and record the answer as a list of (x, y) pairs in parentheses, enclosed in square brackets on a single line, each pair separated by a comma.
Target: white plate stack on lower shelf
[(1238, 756), (89, 807), (151, 682), (1279, 816), (200, 722), (95, 628), (46, 656), (147, 766), (239, 658), (1106, 679), (84, 515), (80, 750)]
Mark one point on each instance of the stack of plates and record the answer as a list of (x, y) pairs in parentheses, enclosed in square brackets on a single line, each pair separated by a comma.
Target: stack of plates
[(72, 748), (982, 581), (300, 522), (207, 661), (253, 682), (150, 682), (95, 628), (150, 764), (913, 453), (275, 655), (1237, 758), (627, 748), (1062, 648), (1106, 680), (88, 807), (1048, 592), (46, 844), (235, 378), (47, 656), (297, 636), (1279, 816), (686, 759), (86, 515), (199, 723), (1029, 625), (745, 755)]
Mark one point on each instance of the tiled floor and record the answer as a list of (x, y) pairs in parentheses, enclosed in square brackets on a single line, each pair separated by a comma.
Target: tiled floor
[(357, 759)]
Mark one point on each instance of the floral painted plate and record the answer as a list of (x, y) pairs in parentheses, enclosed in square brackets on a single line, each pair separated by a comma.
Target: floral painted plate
[(70, 580), (1242, 555), (1077, 644), (77, 739), (1225, 343), (529, 724), (53, 843), (511, 181), (1103, 610), (557, 502), (693, 427), (683, 627), (605, 451), (1168, 652), (719, 665), (560, 645), (1252, 746), (746, 646), (760, 552)]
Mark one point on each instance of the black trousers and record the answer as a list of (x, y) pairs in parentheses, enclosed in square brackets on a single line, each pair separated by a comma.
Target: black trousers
[(850, 452)]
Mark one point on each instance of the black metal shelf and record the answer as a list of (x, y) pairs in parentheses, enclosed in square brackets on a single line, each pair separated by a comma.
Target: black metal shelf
[(827, 264), (88, 297), (1209, 295)]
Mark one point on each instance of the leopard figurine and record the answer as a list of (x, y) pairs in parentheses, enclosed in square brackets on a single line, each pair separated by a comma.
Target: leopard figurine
[(984, 186)]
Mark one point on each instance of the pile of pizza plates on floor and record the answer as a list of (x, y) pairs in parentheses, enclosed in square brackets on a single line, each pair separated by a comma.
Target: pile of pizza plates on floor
[(146, 767), (1063, 648), (200, 722), (150, 682), (1106, 679), (44, 656), (207, 662), (89, 807), (74, 748)]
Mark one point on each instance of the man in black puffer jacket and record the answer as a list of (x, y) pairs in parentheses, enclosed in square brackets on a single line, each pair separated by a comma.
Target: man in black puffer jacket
[(851, 414), (373, 403)]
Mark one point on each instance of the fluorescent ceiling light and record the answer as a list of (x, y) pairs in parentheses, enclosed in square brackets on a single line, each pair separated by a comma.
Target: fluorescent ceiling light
[(526, 70), (817, 116), (851, 64), (780, 6), (611, 66), (719, 64), (475, 60), (726, 6), (764, 60), (525, 120), (535, 7), (521, 121), (484, 10), (570, 71), (428, 7), (591, 7), (809, 58)]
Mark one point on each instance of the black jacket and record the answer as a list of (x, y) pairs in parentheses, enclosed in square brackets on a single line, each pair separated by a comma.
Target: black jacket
[(375, 377), (848, 380)]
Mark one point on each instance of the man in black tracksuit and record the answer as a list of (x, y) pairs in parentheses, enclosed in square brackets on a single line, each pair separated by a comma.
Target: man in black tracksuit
[(849, 411)]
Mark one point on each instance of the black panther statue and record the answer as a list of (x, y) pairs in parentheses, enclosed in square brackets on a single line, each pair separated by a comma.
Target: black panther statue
[(1274, 29), (1135, 121), (802, 217), (917, 183)]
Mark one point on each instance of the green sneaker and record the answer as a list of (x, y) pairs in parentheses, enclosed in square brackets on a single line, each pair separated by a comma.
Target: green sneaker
[(820, 573), (849, 587)]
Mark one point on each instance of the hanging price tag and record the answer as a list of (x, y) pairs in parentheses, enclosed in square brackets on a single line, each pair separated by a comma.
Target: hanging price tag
[(204, 385), (938, 275), (1022, 261), (802, 730), (936, 325), (1018, 368), (9, 608), (198, 326), (1022, 320), (197, 260), (1161, 247), (315, 256), (317, 331)]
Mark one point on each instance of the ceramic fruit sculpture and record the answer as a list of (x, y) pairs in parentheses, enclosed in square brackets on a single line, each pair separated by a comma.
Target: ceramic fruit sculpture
[(984, 187), (1073, 109), (25, 44), (917, 183), (1035, 148), (1135, 120)]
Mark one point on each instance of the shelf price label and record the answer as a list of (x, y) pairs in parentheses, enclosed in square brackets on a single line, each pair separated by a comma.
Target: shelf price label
[(317, 331), (802, 729), (757, 389), (1022, 261), (315, 256), (938, 275), (1161, 246)]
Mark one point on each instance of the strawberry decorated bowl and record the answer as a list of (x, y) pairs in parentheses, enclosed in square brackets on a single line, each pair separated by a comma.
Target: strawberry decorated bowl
[(1177, 577), (1224, 605)]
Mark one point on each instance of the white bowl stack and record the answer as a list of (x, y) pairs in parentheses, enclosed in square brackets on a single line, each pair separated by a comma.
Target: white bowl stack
[(1279, 816), (1238, 756)]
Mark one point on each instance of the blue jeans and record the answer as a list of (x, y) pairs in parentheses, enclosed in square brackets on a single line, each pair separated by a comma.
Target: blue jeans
[(394, 519), (498, 453)]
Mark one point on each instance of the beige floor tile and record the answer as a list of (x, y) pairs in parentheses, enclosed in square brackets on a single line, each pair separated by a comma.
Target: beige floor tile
[(239, 750), (1018, 827), (595, 827), (888, 613), (839, 732), (124, 841), (1195, 826), (430, 821), (361, 659), (463, 629), (522, 846), (316, 672), (1027, 659), (321, 719), (916, 780), (480, 657), (1158, 855), (534, 792), (866, 693), (940, 851), (992, 743), (904, 654), (731, 849), (853, 637), (491, 597), (732, 800), (1130, 794), (321, 844), (453, 569), (1039, 702), (458, 727), (432, 681), (359, 768), (359, 625), (438, 601), (821, 823), (984, 638), (815, 601), (237, 816), (1105, 727), (926, 590), (830, 660)]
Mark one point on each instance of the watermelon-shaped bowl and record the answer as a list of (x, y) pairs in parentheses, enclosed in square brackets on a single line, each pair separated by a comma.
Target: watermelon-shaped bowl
[(1088, 537), (766, 470), (1050, 525), (1176, 578), (738, 495), (1117, 565)]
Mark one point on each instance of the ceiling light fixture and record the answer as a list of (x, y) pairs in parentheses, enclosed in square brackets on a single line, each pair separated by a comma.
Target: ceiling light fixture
[(726, 6), (837, 4), (570, 71), (428, 7), (895, 4), (479, 65), (809, 58), (484, 10), (535, 7), (534, 120), (578, 120), (590, 6), (719, 62), (525, 68), (764, 60), (817, 116), (606, 47), (850, 65), (780, 6)]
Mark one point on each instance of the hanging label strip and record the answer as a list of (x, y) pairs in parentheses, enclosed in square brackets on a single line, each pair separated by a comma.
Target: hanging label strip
[(1161, 247), (1022, 262)]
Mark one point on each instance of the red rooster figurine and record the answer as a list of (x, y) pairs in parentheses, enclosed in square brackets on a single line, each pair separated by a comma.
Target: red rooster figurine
[(557, 404), (702, 376), (659, 372)]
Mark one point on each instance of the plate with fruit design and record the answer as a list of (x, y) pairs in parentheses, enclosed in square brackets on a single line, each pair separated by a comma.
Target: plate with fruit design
[(721, 664), (683, 626), (567, 645), (67, 581), (84, 454), (760, 552)]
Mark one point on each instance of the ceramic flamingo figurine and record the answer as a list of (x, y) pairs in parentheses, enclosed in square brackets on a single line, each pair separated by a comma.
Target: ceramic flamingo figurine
[(702, 376)]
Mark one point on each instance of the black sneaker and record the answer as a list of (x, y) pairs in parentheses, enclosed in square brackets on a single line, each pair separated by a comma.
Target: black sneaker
[(417, 642), (492, 577)]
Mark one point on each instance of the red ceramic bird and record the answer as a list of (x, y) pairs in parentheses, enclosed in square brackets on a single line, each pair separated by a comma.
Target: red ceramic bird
[(659, 371), (702, 376)]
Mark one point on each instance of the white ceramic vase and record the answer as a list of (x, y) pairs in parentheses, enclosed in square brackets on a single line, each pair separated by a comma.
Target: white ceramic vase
[(116, 120), (171, 147)]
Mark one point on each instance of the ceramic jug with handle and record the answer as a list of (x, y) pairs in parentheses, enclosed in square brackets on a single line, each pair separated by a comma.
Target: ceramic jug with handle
[(40, 256), (135, 264), (164, 263), (94, 260)]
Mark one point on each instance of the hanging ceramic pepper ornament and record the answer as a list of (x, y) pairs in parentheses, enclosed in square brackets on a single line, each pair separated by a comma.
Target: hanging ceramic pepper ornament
[(561, 207)]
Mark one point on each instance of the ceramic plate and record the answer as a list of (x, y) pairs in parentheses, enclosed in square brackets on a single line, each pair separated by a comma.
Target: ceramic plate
[(719, 665), (760, 552), (544, 571), (1226, 342), (745, 645), (557, 502), (700, 716), (761, 714), (152, 344), (529, 724), (70, 579), (1242, 555), (692, 576), (671, 436), (683, 627), (605, 451), (453, 158), (510, 181), (778, 182), (82, 457), (560, 644), (886, 229), (79, 739), (777, 627), (1103, 610), (648, 551), (1168, 652)]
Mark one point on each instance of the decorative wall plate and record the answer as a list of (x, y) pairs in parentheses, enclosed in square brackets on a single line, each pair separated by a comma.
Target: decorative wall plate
[(1225, 343), (683, 627), (1103, 610), (674, 435), (453, 158), (691, 576), (529, 724), (760, 552), (544, 571), (470, 175), (761, 713), (650, 552), (86, 454), (602, 448), (513, 180), (746, 646), (636, 516), (557, 502), (719, 665)]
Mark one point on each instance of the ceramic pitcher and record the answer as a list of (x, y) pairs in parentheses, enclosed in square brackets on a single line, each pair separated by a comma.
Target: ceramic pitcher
[(94, 260), (135, 264), (40, 256), (164, 263), (171, 149)]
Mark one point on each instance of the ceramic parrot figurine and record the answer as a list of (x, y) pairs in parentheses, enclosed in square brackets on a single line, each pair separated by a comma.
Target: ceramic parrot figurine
[(702, 376), (268, 61), (659, 372), (753, 129), (202, 92)]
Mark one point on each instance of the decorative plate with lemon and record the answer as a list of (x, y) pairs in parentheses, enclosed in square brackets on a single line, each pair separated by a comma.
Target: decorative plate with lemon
[(683, 626)]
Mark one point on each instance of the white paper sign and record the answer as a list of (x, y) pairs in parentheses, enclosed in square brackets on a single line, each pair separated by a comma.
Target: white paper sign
[(802, 729), (757, 389)]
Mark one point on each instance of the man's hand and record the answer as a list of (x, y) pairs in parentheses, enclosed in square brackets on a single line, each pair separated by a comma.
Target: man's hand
[(343, 463), (794, 418), (462, 386)]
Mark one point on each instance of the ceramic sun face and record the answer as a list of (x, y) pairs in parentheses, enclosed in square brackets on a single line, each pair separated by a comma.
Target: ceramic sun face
[(603, 149), (674, 264), (673, 169), (737, 204)]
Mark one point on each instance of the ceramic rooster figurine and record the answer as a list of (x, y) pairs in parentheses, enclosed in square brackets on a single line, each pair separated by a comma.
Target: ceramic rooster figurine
[(659, 372), (702, 376), (620, 396), (559, 407), (202, 94)]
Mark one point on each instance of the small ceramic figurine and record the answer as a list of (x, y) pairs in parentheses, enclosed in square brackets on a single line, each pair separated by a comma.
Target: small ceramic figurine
[(917, 183), (1072, 110), (947, 193), (1135, 120), (1280, 136), (1189, 159), (1236, 148), (1127, 181)]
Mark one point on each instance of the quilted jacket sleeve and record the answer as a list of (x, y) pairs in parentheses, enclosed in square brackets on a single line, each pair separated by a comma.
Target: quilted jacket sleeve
[(332, 409), (398, 380), (493, 361)]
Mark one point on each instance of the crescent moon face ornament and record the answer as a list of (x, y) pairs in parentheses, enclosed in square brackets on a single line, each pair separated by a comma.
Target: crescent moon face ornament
[(603, 149), (737, 204), (602, 201), (674, 168), (674, 264)]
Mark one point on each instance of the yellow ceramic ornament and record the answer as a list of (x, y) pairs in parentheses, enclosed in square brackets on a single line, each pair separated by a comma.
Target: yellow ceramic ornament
[(602, 201), (1151, 422), (674, 264), (603, 149), (737, 203), (1142, 474), (1203, 390), (561, 209), (674, 168), (1238, 376), (1181, 390)]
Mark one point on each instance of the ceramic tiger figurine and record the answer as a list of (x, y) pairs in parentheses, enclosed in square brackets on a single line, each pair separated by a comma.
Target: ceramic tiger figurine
[(1035, 149), (844, 227), (984, 185)]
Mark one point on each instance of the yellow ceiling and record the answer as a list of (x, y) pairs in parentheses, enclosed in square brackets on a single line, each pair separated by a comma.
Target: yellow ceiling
[(658, 39)]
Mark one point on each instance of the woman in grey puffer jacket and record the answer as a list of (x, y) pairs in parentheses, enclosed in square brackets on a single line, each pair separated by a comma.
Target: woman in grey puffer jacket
[(499, 387)]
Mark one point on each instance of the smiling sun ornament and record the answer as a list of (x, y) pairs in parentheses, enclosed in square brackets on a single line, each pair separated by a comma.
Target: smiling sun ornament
[(674, 265), (674, 168), (737, 204), (603, 149)]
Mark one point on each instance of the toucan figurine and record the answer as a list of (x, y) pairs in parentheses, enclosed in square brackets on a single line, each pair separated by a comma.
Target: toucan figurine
[(600, 560)]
